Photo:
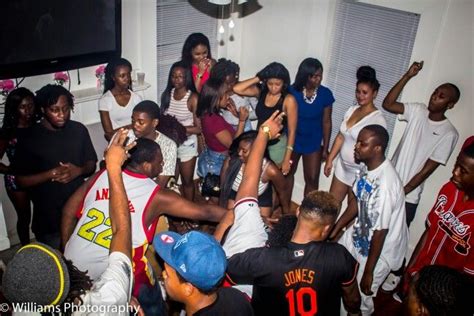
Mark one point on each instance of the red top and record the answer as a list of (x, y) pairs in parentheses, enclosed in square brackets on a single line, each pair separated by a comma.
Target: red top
[(205, 75), (211, 125), (450, 224)]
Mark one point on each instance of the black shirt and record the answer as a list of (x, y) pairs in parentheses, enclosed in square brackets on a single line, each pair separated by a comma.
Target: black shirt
[(264, 112), (229, 302), (304, 278), (42, 149)]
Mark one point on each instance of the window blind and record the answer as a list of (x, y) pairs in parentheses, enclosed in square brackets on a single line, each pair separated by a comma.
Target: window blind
[(175, 21), (368, 35)]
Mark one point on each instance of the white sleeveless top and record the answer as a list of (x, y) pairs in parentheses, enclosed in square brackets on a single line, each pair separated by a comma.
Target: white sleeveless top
[(262, 186), (88, 247), (179, 109)]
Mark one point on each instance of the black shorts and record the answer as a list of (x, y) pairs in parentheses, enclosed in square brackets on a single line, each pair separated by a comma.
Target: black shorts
[(264, 200)]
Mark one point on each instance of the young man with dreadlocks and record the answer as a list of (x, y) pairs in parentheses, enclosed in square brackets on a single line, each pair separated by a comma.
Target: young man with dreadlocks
[(40, 276)]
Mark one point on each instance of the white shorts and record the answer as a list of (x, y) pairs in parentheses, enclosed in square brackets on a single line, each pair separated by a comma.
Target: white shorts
[(188, 149)]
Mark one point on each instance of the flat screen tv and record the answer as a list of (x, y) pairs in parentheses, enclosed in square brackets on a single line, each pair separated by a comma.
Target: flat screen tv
[(44, 36)]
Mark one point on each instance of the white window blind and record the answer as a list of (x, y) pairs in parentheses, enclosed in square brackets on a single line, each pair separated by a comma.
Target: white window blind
[(176, 19), (368, 35)]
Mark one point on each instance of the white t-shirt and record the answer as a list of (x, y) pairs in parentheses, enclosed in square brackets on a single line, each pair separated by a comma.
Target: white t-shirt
[(422, 139), (248, 230), (119, 115), (113, 289), (240, 101), (381, 205)]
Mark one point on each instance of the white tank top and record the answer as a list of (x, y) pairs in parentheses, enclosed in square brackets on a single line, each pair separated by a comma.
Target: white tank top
[(179, 109), (262, 186), (88, 247)]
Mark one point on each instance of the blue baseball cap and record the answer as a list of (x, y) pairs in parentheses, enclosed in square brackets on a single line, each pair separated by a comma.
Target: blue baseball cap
[(196, 256)]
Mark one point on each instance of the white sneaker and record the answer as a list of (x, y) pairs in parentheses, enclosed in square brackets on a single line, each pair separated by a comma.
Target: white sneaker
[(391, 282)]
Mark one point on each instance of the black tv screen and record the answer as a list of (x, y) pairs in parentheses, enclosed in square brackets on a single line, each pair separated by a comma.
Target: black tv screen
[(44, 36)]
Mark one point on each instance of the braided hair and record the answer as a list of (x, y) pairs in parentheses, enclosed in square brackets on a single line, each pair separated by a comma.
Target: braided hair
[(444, 291), (224, 68), (80, 283)]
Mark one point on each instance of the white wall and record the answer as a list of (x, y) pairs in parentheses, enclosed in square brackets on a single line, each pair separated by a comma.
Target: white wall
[(444, 41), (138, 46), (289, 31)]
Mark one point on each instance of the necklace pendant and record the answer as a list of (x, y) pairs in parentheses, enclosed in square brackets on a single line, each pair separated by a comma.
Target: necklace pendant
[(312, 98)]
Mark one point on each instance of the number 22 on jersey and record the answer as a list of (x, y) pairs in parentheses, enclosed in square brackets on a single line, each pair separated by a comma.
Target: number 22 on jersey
[(101, 238)]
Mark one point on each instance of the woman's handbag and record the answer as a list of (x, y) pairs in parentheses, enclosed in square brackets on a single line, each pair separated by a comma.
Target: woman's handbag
[(211, 185)]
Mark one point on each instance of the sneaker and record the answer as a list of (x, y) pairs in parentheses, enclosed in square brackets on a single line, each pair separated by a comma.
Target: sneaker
[(391, 282)]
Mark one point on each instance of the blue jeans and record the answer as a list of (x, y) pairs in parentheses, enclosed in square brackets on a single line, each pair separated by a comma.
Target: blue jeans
[(210, 161)]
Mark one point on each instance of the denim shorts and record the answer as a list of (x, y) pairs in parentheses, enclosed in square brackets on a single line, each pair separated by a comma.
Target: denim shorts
[(210, 161)]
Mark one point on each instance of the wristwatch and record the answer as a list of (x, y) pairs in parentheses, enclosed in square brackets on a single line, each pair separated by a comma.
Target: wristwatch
[(266, 130)]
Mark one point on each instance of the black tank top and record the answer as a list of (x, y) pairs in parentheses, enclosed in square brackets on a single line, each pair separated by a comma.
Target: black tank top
[(264, 112)]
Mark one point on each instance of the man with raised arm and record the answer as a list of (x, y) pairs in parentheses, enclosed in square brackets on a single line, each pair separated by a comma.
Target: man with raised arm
[(85, 228), (308, 274), (429, 137)]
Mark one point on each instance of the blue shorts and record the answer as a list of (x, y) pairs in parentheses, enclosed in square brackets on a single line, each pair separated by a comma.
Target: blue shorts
[(210, 161)]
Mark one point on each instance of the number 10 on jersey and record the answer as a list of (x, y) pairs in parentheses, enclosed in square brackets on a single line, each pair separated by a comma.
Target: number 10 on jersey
[(296, 301)]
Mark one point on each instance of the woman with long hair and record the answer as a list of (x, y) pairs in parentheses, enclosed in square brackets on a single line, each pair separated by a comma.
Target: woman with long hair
[(270, 86), (117, 102), (197, 55), (314, 122), (180, 101), (356, 118), (218, 134), (20, 113)]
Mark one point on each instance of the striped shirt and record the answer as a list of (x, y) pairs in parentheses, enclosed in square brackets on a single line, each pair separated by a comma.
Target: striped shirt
[(179, 109), (262, 186)]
